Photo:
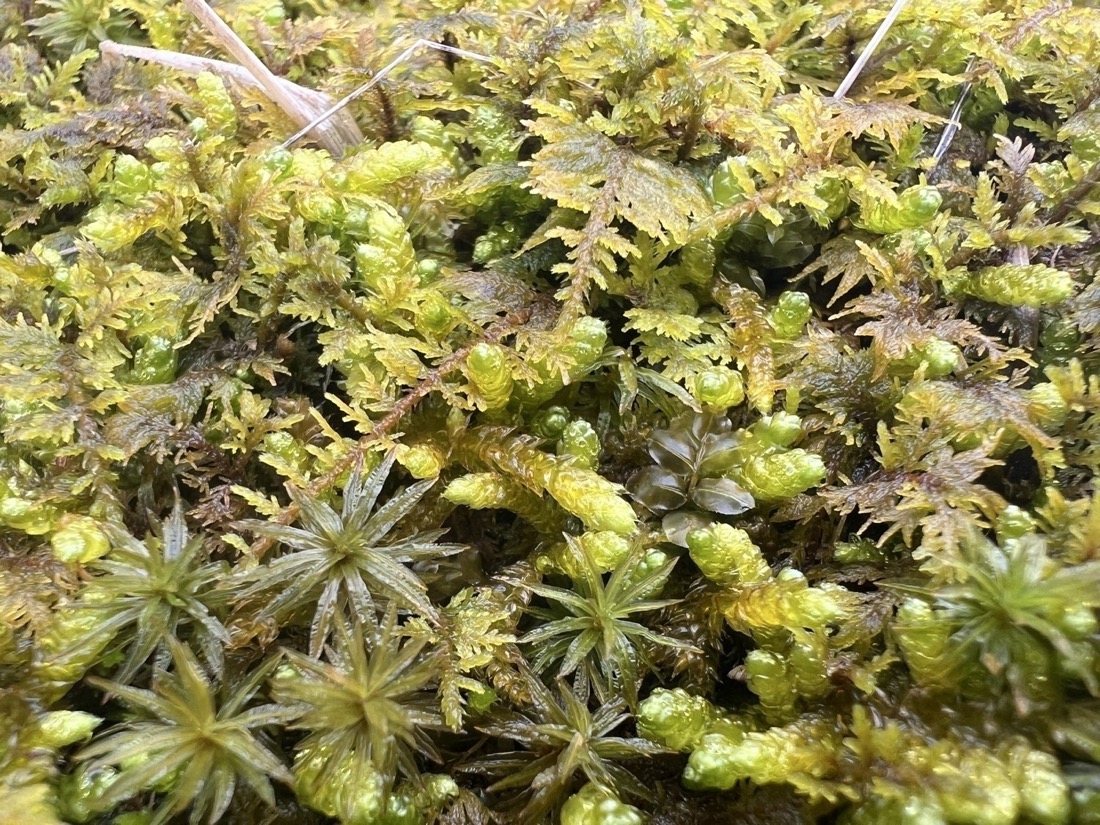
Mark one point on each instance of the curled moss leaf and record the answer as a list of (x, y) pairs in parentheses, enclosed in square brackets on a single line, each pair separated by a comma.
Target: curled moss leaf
[(916, 206)]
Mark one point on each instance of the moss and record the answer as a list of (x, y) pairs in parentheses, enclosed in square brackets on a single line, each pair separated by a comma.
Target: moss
[(619, 357)]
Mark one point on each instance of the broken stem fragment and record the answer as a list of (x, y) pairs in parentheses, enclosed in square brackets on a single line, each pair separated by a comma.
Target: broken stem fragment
[(336, 137), (378, 78), (869, 50)]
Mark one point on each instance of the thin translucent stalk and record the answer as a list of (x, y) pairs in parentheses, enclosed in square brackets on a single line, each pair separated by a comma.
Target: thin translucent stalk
[(370, 84), (869, 50), (953, 123)]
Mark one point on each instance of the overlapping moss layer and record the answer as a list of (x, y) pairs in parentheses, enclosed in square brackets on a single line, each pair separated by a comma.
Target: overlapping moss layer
[(625, 430)]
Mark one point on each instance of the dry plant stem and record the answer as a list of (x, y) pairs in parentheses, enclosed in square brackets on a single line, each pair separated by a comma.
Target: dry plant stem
[(236, 47), (953, 123), (501, 329), (869, 50), (333, 137), (192, 65), (378, 78)]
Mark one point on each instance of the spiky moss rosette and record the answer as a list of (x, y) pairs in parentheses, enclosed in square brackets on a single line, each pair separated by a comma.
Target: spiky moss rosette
[(604, 419)]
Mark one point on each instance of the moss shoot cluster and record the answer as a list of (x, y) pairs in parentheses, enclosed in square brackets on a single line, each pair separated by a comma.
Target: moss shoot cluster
[(626, 428)]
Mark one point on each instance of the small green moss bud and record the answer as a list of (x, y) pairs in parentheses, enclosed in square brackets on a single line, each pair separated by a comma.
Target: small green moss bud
[(1047, 408), (317, 206), (386, 227), (335, 178), (938, 357), (674, 718), (436, 316), (479, 699), (593, 805), (942, 357), (1015, 285), (79, 541), (987, 796), (430, 131), (217, 105), (324, 784), (834, 191), (1044, 795), (772, 478), (499, 240), (921, 637), (719, 388), (653, 559), (586, 341), (726, 555), (356, 224), (282, 450), (605, 549), (436, 789), (728, 182), (155, 361), (790, 315), (716, 765), (779, 429), (63, 727), (132, 179), (823, 605), (592, 499), (588, 337), (579, 441), (1012, 523), (478, 491), (916, 206), (491, 375), (422, 461), (808, 661), (767, 677), (30, 517), (859, 551), (428, 269), (550, 422), (78, 793), (277, 161), (920, 203)]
